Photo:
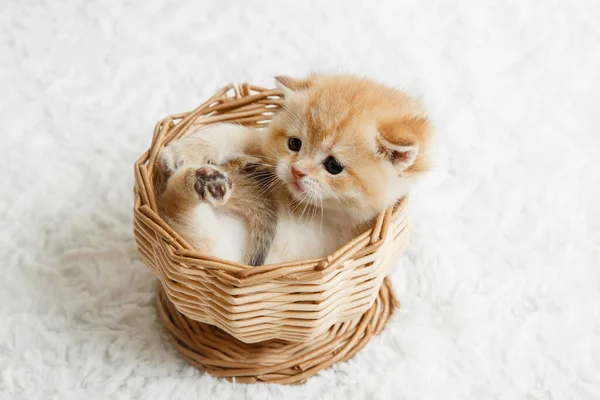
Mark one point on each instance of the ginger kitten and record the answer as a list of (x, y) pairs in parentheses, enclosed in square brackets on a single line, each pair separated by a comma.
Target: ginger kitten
[(343, 140), (341, 151)]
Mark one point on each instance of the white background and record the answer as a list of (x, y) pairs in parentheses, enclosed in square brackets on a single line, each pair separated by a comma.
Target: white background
[(500, 288)]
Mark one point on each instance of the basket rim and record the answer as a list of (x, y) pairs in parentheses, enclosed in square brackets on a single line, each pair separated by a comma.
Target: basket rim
[(145, 208)]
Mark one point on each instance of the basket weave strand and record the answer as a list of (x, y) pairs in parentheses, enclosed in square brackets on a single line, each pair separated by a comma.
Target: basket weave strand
[(280, 309)]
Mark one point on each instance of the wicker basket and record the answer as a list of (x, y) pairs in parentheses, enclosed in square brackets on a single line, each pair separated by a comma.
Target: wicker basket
[(274, 323)]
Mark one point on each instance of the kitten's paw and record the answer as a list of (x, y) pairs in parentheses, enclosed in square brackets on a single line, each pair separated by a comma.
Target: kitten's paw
[(212, 184)]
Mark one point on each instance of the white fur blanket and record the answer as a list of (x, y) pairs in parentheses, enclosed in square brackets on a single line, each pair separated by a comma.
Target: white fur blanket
[(500, 288)]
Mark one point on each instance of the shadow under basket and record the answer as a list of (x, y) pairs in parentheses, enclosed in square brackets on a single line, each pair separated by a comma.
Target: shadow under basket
[(274, 323)]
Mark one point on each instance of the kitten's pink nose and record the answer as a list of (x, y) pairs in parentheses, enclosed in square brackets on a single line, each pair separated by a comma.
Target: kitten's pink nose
[(297, 173)]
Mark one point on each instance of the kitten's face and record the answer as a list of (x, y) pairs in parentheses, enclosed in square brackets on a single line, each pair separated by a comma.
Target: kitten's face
[(347, 142)]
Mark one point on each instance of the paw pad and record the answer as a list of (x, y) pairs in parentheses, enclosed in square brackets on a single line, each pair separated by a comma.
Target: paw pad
[(212, 184)]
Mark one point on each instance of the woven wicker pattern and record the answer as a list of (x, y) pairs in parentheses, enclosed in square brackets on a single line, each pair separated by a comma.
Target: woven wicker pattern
[(276, 361), (295, 302)]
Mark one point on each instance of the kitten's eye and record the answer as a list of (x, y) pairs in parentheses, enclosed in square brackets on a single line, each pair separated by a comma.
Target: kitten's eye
[(333, 166), (294, 144)]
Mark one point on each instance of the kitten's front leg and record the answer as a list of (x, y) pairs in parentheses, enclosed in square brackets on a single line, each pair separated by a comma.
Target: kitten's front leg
[(184, 153), (211, 144)]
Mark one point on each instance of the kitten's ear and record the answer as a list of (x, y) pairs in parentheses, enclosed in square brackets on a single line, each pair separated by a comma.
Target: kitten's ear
[(402, 157), (400, 142), (288, 84)]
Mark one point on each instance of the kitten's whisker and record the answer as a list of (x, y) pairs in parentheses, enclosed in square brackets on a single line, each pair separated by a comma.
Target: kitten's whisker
[(337, 198), (269, 190), (308, 204), (273, 189), (309, 215), (314, 213), (269, 185), (277, 157), (270, 182), (267, 158), (298, 204), (305, 204), (321, 223), (304, 209)]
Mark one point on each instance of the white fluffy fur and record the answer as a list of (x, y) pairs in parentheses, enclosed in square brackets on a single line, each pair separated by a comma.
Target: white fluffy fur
[(227, 233), (296, 240), (499, 288)]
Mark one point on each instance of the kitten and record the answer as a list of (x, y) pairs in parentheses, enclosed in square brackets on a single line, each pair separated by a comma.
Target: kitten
[(341, 151)]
